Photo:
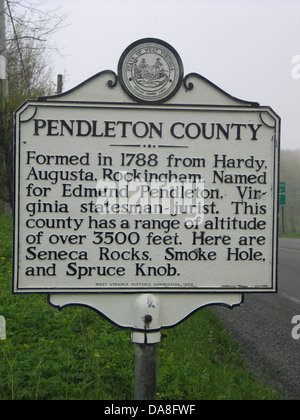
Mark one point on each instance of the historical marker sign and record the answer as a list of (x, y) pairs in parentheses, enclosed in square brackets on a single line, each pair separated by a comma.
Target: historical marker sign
[(146, 183)]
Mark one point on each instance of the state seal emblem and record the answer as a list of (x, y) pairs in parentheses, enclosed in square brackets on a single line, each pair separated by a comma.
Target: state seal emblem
[(150, 71)]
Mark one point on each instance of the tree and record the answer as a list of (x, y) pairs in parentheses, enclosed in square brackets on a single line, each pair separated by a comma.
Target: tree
[(290, 174), (29, 54), (6, 153)]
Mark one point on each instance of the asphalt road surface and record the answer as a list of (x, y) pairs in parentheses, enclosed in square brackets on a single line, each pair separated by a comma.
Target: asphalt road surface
[(263, 325)]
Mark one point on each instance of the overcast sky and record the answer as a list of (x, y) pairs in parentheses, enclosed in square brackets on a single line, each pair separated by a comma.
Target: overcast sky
[(247, 48)]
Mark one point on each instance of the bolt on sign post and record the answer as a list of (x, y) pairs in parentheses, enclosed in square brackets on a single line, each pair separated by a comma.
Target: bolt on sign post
[(146, 194)]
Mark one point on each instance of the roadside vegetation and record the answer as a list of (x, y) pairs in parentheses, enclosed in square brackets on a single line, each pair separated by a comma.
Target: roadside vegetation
[(77, 355), (290, 174)]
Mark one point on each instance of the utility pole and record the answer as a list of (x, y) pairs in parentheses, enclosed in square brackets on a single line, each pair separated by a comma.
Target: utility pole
[(3, 54), (59, 84)]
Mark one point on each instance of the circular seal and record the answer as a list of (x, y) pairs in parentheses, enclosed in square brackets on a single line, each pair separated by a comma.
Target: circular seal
[(150, 71)]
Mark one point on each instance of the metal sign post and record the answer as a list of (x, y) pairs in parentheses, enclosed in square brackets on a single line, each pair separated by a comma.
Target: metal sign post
[(146, 195), (145, 372), (146, 317)]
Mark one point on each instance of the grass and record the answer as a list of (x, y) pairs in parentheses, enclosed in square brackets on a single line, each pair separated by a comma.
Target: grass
[(77, 355), (290, 235)]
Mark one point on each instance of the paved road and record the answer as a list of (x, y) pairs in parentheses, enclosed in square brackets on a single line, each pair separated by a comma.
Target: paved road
[(263, 324)]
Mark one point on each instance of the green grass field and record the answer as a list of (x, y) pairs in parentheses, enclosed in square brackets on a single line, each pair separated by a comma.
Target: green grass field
[(77, 355)]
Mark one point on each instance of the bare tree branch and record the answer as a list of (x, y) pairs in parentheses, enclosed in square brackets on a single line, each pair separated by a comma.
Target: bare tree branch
[(29, 56), (37, 24)]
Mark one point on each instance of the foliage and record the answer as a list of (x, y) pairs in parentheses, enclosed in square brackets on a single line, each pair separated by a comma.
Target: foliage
[(29, 54), (6, 153), (28, 63), (77, 355), (290, 173)]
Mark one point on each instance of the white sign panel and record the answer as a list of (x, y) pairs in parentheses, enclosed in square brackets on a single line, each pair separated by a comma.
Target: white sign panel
[(158, 191)]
